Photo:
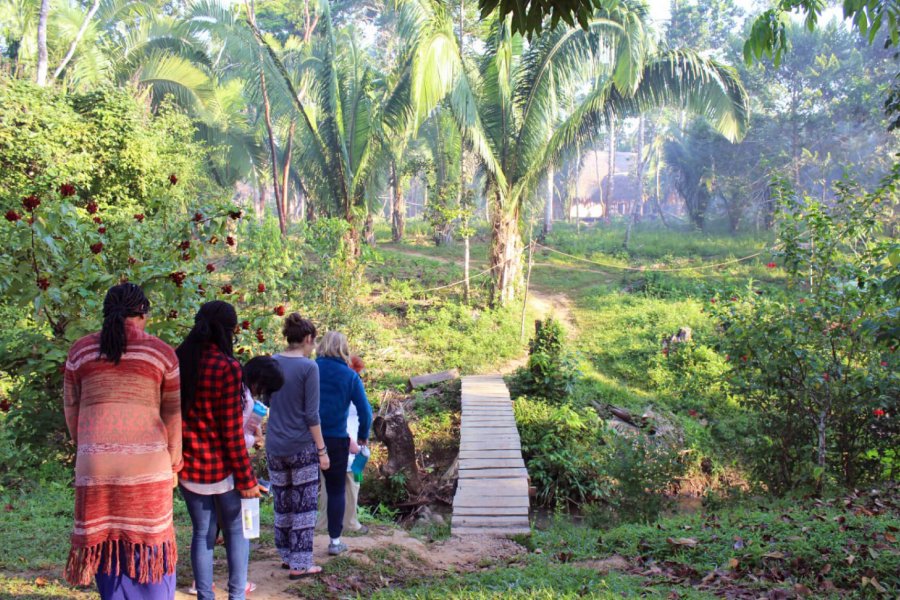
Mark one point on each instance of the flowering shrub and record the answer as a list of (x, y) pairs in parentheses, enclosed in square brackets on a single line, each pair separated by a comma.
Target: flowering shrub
[(90, 201), (824, 384)]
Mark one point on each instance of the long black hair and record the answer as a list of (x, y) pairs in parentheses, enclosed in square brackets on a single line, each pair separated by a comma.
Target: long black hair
[(122, 301), (214, 324), (263, 376)]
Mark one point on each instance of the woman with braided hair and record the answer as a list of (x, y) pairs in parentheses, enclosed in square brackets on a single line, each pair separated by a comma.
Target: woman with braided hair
[(217, 471), (123, 409)]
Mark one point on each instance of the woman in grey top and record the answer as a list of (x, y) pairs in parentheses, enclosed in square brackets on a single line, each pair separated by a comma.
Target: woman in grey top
[(295, 450)]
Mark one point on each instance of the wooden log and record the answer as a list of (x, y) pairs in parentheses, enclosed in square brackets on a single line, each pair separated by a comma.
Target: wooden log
[(491, 531), (475, 501), (499, 473), (391, 428), (491, 463), (498, 521), (490, 511), (432, 378)]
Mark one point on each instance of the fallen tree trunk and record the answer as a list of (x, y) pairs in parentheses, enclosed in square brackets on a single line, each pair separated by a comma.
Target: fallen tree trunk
[(391, 429)]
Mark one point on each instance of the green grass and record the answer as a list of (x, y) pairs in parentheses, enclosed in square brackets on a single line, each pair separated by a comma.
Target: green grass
[(537, 580)]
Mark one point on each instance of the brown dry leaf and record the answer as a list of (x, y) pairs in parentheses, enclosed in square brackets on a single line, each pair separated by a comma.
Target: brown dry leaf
[(733, 563), (849, 560), (801, 590), (890, 538), (688, 542), (873, 582), (825, 570), (776, 555), (41, 582)]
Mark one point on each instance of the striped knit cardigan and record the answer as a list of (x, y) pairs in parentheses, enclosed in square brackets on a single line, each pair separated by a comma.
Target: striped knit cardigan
[(126, 422)]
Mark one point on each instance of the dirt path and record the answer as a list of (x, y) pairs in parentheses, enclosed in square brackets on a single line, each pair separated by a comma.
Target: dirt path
[(382, 547)]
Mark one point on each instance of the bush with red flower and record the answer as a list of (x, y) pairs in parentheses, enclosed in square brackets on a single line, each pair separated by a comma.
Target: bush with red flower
[(93, 166), (819, 378)]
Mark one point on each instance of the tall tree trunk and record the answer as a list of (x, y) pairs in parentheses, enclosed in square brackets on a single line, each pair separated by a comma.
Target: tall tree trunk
[(286, 172), (631, 217), (600, 191), (42, 43), (398, 212), (548, 207), (78, 36), (611, 174), (369, 231), (659, 204), (506, 253), (267, 111)]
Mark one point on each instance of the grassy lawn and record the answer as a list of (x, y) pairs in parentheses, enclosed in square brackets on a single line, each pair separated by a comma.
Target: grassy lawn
[(743, 546)]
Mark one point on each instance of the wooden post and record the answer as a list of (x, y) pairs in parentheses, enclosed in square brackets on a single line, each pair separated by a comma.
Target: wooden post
[(527, 283)]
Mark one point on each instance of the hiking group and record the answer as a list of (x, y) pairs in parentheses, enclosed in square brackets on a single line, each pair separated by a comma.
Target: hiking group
[(146, 418)]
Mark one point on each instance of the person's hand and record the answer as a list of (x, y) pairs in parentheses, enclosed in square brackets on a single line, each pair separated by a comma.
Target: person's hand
[(262, 489), (324, 462), (354, 447), (174, 480), (250, 493)]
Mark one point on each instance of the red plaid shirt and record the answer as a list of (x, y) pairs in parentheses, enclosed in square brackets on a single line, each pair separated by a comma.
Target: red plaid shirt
[(213, 429)]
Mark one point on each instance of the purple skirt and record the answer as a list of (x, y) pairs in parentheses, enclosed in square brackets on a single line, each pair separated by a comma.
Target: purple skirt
[(123, 587)]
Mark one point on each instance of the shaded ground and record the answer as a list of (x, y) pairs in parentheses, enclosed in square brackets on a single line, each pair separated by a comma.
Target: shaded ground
[(387, 556)]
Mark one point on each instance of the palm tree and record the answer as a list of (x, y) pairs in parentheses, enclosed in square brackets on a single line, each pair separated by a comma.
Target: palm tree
[(505, 110), (357, 117)]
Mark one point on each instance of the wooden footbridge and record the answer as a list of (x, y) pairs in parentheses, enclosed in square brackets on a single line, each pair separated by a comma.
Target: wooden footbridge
[(492, 489)]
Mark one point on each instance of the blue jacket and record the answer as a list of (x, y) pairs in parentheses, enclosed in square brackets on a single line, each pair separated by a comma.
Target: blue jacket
[(339, 385)]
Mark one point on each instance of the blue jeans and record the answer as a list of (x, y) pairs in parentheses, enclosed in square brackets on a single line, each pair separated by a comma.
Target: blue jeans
[(205, 511)]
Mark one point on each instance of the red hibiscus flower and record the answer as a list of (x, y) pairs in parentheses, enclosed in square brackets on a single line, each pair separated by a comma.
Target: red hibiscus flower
[(178, 278), (198, 216), (173, 179), (261, 288), (226, 289), (279, 310), (66, 190), (139, 218), (43, 283), (91, 208), (210, 267), (878, 412), (229, 240), (12, 216), (31, 202), (101, 230), (97, 248), (771, 265), (245, 325)]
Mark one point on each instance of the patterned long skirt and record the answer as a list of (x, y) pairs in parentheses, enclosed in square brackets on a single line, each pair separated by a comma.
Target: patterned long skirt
[(295, 487)]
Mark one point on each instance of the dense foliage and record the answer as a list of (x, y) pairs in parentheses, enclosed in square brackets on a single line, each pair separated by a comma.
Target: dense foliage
[(95, 191), (824, 386)]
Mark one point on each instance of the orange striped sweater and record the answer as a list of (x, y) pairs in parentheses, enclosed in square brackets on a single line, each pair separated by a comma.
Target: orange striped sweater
[(126, 422)]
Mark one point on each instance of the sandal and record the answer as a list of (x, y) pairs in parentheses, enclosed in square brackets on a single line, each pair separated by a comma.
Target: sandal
[(310, 572)]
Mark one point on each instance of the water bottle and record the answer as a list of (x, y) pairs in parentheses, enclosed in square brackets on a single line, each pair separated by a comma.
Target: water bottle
[(250, 517), (359, 463), (253, 421)]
